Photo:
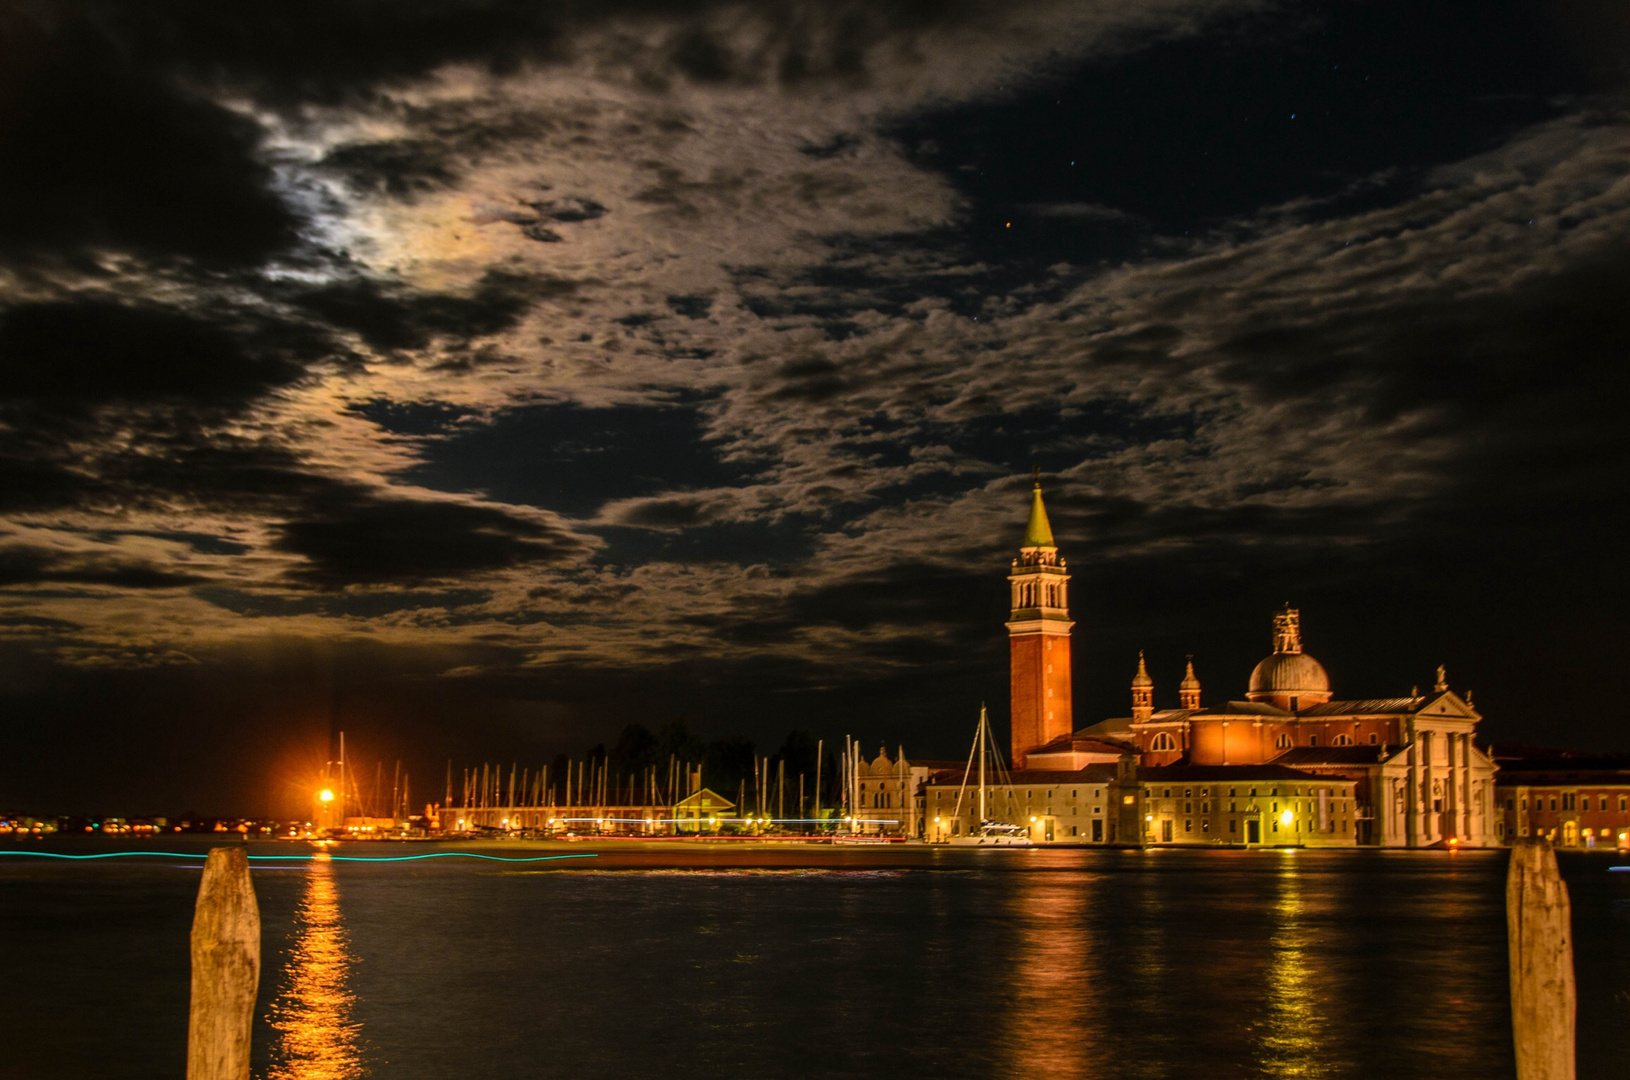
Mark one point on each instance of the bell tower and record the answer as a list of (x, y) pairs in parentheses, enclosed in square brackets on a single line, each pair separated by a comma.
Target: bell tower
[(1038, 631)]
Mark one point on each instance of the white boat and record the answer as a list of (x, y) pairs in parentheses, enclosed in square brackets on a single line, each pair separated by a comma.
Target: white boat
[(989, 833)]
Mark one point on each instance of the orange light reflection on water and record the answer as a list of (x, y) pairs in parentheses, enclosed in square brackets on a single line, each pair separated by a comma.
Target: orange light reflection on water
[(1050, 1031), (316, 1036)]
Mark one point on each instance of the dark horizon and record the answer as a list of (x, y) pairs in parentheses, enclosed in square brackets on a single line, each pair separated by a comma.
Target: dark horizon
[(484, 380)]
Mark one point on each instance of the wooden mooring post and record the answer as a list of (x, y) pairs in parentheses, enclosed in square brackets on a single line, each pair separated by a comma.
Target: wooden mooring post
[(225, 969), (1539, 929)]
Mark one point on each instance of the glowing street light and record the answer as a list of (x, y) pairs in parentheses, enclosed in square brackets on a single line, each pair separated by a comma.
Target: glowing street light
[(325, 795), (1285, 817)]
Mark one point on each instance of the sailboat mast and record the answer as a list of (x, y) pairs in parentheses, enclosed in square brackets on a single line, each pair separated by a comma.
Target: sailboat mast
[(983, 723)]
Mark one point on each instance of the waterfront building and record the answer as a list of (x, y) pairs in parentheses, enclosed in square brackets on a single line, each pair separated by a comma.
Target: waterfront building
[(1096, 804), (1269, 804), (888, 795), (1574, 800), (1417, 775), (701, 811), (1285, 765)]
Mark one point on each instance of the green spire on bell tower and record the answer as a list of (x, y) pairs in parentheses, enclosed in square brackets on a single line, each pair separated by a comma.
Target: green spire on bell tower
[(1039, 533)]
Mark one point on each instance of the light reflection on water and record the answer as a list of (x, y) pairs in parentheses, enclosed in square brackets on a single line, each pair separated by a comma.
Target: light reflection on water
[(757, 962), (1051, 1031), (312, 1016), (1291, 1045)]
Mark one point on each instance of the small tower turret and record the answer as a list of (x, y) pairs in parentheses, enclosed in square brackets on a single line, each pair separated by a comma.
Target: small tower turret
[(1188, 691), (1143, 693)]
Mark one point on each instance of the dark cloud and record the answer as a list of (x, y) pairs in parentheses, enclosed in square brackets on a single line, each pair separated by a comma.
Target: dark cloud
[(391, 316), (1340, 109), (24, 565), (691, 307), (366, 605), (380, 540), (103, 151), (671, 535), (400, 168), (89, 351), (573, 460), (412, 417), (56, 461)]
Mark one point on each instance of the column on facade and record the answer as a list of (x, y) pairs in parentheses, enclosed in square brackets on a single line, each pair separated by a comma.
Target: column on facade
[(1467, 787), (1412, 802), (1429, 818), (1451, 788)]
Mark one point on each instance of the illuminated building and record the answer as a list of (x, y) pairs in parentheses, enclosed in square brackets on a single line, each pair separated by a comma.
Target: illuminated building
[(1284, 765), (887, 795), (1573, 800), (701, 811), (1417, 776)]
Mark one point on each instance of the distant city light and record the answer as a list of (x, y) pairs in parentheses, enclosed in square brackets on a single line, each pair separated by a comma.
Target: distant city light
[(325, 795)]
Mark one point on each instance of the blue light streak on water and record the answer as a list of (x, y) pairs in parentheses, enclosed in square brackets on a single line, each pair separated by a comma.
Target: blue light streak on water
[(288, 858)]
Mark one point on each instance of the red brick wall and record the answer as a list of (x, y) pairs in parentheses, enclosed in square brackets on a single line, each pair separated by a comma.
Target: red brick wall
[(1039, 663)]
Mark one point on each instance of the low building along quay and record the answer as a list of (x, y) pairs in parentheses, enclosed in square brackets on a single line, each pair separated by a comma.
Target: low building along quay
[(1573, 800)]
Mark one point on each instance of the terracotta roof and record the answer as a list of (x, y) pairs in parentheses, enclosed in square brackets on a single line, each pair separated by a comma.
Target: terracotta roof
[(1335, 755), (1366, 706), (1605, 768), (1155, 774), (1083, 743), (1255, 708), (702, 798), (1092, 774)]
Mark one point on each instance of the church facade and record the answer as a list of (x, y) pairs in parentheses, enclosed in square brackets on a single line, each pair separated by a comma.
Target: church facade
[(1285, 764)]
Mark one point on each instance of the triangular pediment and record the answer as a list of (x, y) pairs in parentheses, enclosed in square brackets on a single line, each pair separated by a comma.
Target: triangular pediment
[(1449, 704), (706, 800)]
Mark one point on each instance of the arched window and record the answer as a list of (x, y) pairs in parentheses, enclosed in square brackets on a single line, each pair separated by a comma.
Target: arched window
[(1283, 741), (1163, 741), (1341, 740)]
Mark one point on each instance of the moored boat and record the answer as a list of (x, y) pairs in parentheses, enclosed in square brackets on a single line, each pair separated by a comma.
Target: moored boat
[(988, 833)]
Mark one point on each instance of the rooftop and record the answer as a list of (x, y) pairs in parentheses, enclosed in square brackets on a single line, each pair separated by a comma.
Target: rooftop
[(1154, 774), (1335, 755)]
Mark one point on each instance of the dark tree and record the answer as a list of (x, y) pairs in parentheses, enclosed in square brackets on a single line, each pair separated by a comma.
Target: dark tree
[(674, 739), (798, 751), (728, 764), (635, 751)]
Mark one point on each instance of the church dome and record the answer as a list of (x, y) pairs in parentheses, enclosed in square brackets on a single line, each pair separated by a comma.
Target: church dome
[(1288, 674), (1289, 678)]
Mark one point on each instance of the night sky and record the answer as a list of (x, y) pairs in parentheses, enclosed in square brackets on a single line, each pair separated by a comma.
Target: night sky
[(493, 376)]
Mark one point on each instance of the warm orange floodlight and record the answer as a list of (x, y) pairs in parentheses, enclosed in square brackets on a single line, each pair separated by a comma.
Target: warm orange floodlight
[(325, 795)]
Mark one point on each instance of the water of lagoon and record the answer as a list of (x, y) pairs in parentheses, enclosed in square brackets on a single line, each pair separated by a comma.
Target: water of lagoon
[(775, 961)]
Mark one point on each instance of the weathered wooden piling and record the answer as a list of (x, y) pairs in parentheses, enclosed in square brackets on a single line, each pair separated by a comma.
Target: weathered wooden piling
[(1539, 929), (225, 969)]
